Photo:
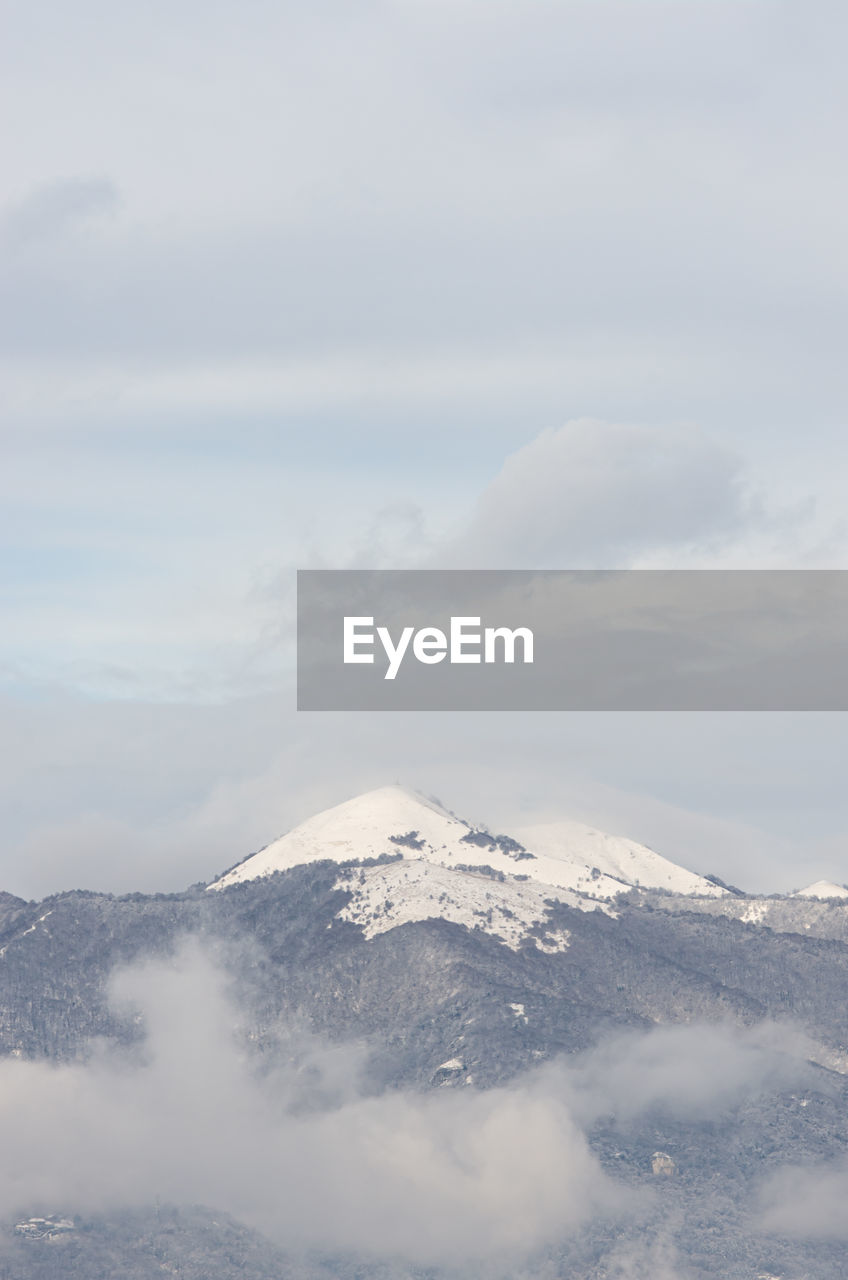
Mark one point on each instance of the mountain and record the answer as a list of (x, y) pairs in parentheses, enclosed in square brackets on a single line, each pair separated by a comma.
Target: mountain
[(822, 889), (442, 867), (696, 1036)]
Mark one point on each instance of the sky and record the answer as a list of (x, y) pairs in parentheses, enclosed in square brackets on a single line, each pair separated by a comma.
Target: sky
[(458, 283)]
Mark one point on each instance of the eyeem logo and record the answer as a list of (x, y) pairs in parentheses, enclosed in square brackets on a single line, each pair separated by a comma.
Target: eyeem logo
[(431, 645), (581, 640)]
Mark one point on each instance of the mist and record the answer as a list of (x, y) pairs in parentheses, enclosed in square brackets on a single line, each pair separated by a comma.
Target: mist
[(806, 1203), (301, 1153), (188, 1120)]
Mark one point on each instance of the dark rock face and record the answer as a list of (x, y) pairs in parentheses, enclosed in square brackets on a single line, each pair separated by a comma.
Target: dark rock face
[(426, 995)]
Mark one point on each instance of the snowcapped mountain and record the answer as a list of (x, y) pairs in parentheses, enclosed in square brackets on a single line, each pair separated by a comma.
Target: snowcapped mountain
[(443, 867), (822, 889), (552, 961)]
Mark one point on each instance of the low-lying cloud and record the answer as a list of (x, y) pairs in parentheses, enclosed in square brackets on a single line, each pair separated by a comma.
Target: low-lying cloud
[(500, 1170), (686, 1072), (806, 1203), (303, 1155)]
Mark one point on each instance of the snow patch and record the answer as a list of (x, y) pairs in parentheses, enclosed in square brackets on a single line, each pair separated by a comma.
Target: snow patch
[(754, 913), (32, 928), (44, 1228), (397, 893)]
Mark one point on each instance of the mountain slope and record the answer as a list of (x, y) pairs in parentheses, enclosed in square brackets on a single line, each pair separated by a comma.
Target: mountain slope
[(619, 860)]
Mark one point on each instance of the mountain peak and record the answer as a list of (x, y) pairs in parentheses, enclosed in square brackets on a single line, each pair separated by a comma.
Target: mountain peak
[(567, 862), (822, 889), (384, 804), (391, 819)]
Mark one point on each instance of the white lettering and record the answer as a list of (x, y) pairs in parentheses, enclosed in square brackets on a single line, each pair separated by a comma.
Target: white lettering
[(430, 645), (394, 653), (509, 638), (351, 639), (459, 638)]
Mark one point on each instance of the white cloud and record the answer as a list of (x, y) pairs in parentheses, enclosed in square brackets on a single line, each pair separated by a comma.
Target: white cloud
[(500, 1172), (806, 1203), (658, 1259), (121, 796), (362, 253), (598, 495), (300, 1153), (689, 1073)]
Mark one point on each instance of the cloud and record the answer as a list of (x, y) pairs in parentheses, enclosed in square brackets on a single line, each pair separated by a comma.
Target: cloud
[(806, 1203), (190, 1122), (501, 180), (127, 582), (593, 494), (300, 1151), (688, 1073), (657, 1260), (58, 207), (302, 1154), (132, 796)]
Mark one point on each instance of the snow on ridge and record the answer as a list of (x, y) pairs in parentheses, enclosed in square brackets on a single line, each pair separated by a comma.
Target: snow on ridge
[(614, 858)]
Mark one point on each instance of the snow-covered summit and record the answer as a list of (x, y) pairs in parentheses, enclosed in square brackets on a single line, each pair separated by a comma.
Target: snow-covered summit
[(822, 889), (395, 820), (443, 867), (365, 827)]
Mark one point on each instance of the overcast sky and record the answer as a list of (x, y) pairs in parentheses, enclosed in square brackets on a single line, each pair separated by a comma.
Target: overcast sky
[(430, 282)]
